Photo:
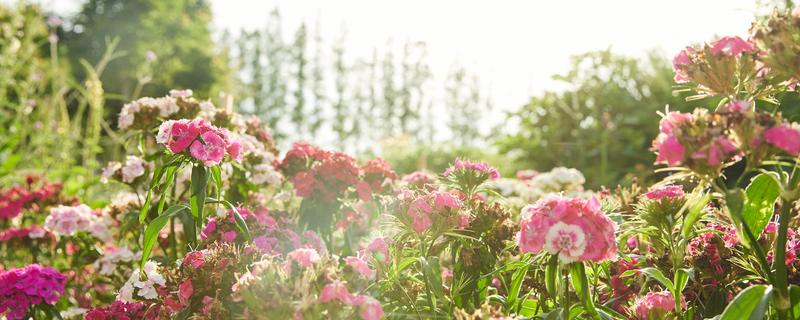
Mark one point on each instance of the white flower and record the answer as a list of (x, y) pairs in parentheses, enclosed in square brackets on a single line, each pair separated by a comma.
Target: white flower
[(566, 240), (166, 106), (111, 257), (134, 168), (207, 107), (126, 292), (73, 312), (180, 93), (146, 287)]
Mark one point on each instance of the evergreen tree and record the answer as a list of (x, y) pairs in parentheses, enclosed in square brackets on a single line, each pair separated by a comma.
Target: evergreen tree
[(317, 86), (340, 107), (275, 95), (300, 62)]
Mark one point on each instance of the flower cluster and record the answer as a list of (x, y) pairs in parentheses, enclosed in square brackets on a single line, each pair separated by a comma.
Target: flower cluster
[(29, 232), (112, 256), (144, 288), (25, 287), (147, 112), (441, 206), (337, 291), (133, 168), (67, 220), (710, 250), (203, 141), (119, 310), (778, 40), (655, 305), (715, 66), (572, 228), (19, 197)]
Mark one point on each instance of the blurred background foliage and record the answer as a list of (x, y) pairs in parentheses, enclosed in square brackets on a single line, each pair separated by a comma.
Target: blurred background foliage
[(63, 80)]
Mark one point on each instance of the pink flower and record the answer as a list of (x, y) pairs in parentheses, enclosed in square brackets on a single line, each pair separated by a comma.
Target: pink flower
[(196, 259), (673, 120), (442, 200), (665, 192), (681, 60), (479, 167), (574, 228), (31, 285), (717, 151), (737, 106), (654, 305), (364, 191), (229, 236), (731, 46), (360, 266), (670, 151), (265, 244), (379, 246), (134, 168), (209, 229), (304, 256), (185, 291), (335, 290), (181, 135), (371, 309), (180, 93), (234, 150), (786, 137), (211, 150), (419, 211)]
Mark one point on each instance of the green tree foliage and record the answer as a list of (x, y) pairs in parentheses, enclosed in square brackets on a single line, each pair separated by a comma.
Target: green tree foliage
[(463, 102), (177, 32), (602, 124)]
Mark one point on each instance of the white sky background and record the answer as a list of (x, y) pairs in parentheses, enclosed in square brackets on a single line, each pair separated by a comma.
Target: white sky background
[(514, 47)]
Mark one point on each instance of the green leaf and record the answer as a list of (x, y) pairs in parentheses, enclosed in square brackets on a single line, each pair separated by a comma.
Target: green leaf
[(153, 229), (170, 172), (198, 189), (516, 285), (697, 203), (682, 277), (159, 171), (751, 304), (759, 204), (581, 284), (550, 274), (654, 274), (433, 279), (794, 298)]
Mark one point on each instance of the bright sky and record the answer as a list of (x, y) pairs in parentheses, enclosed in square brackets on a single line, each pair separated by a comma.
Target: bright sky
[(514, 46)]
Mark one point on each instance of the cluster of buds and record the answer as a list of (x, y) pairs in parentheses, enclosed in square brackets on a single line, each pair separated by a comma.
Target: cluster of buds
[(721, 67), (705, 141), (779, 40)]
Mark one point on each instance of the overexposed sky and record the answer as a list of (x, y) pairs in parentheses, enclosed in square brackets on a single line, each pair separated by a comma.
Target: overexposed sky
[(513, 46)]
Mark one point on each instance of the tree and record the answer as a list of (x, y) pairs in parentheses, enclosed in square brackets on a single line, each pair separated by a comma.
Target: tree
[(300, 64), (462, 97), (176, 32), (603, 124)]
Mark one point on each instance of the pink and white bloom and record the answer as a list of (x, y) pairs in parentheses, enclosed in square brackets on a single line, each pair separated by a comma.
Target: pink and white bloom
[(568, 241), (574, 228), (371, 309), (654, 305)]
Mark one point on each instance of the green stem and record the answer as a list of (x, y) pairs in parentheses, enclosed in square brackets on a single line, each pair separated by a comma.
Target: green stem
[(780, 277), (566, 293)]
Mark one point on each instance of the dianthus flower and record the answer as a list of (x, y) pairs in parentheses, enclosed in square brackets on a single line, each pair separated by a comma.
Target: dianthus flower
[(119, 310), (466, 165), (31, 285), (654, 305), (665, 192), (573, 228), (66, 221), (785, 137), (205, 142)]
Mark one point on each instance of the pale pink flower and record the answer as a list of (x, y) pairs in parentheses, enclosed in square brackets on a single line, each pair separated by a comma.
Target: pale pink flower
[(673, 120), (480, 167), (304, 256), (680, 60), (371, 309), (110, 170), (670, 151), (180, 93), (665, 192), (786, 137), (717, 151), (731, 46), (360, 266), (442, 200), (66, 221), (134, 168), (654, 305), (335, 290), (379, 246), (234, 150), (737, 106), (229, 236)]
